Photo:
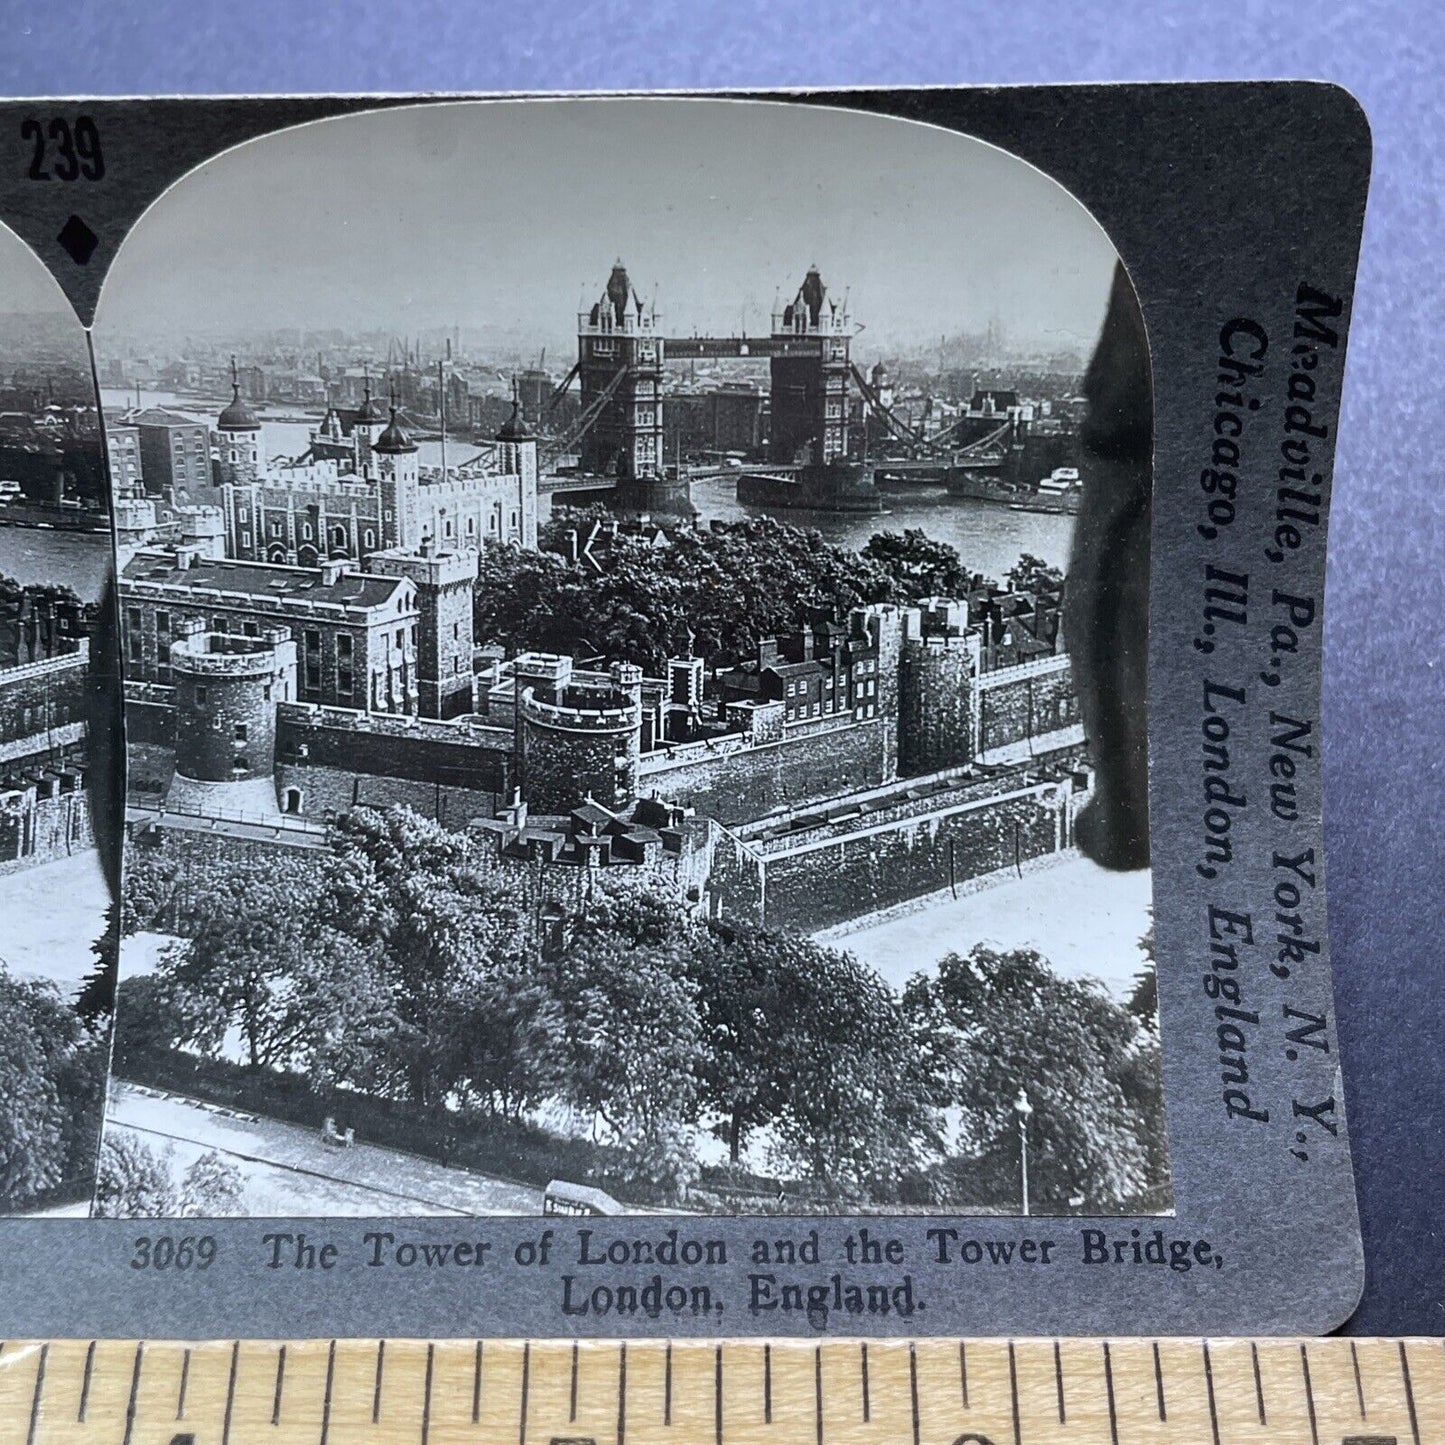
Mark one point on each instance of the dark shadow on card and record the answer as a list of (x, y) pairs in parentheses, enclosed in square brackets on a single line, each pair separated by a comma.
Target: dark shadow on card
[(1107, 615)]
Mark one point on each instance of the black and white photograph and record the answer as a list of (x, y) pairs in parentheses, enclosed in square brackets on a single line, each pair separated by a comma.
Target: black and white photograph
[(609, 601), (59, 853)]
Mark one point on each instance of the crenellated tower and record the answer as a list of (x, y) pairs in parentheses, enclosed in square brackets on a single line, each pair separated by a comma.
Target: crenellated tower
[(812, 335), (619, 360)]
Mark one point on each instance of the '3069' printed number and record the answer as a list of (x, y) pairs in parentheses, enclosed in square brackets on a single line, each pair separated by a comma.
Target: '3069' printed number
[(165, 1251)]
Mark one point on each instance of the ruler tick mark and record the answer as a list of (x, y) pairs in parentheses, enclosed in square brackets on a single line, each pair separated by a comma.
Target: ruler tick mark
[(1258, 1382), (230, 1392), (85, 1383), (913, 1387), (1304, 1361), (666, 1387), (767, 1384), (185, 1381), (134, 1391), (1209, 1388), (1109, 1392), (526, 1381), (621, 1394), (1359, 1383), (1159, 1383), (717, 1397), (280, 1382), (1059, 1381), (35, 1399), (963, 1371), (326, 1398), (818, 1394), (863, 1366), (426, 1397), (1409, 1394), (572, 1397), (1013, 1387), (477, 1385), (376, 1387)]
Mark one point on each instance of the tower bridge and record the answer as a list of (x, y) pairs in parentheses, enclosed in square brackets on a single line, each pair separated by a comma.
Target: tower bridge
[(622, 351)]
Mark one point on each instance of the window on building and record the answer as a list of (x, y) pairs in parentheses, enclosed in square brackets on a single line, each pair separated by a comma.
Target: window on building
[(471, 526), (201, 695), (311, 647), (345, 678), (514, 519), (241, 512), (245, 539), (241, 732), (370, 537), (456, 631), (135, 644), (400, 636), (252, 629), (306, 531)]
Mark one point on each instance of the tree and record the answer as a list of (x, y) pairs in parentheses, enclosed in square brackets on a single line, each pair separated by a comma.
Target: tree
[(1006, 1022), (430, 929), (631, 1044), (211, 1188), (149, 881), (857, 1111), (238, 969), (1033, 574), (132, 1181), (919, 566), (52, 1072)]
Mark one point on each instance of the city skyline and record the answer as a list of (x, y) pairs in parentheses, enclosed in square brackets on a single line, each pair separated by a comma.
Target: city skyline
[(493, 217)]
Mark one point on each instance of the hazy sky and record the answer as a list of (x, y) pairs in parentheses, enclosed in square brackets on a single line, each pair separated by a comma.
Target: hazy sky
[(505, 214)]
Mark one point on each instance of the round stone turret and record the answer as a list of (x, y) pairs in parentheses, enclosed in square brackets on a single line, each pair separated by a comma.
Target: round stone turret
[(580, 740), (227, 689)]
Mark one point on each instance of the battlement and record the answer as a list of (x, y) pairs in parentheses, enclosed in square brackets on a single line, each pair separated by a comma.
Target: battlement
[(225, 654), (425, 567), (583, 709), (76, 659)]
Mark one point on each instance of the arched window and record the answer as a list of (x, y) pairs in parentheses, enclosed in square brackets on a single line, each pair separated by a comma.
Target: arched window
[(370, 535), (293, 800)]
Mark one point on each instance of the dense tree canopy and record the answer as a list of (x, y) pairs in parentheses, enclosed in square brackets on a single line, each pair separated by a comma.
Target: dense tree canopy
[(52, 1087), (401, 968)]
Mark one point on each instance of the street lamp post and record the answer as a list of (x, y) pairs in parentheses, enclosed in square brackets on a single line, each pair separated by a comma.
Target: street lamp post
[(1023, 1109)]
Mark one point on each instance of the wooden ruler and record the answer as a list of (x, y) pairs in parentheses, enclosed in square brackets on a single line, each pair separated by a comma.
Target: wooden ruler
[(556, 1392)]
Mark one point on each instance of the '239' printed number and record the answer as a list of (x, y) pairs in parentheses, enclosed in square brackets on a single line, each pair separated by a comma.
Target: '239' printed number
[(164, 1251), (62, 151)]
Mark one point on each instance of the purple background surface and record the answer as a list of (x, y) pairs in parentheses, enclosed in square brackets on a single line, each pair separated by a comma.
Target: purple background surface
[(1384, 710)]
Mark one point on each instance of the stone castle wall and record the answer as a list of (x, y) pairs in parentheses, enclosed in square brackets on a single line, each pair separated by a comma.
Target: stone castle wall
[(735, 787), (1032, 700), (35, 829), (879, 864)]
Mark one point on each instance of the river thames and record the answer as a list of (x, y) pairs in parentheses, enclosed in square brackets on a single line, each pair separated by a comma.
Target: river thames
[(988, 536)]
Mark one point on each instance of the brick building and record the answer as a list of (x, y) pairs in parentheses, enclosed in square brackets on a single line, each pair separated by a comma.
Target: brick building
[(175, 455)]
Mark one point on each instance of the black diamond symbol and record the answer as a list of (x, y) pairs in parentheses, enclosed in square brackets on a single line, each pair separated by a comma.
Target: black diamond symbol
[(79, 240)]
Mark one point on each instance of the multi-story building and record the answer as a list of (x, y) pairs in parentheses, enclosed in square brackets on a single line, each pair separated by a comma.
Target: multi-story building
[(360, 488), (175, 453), (355, 632), (123, 457)]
